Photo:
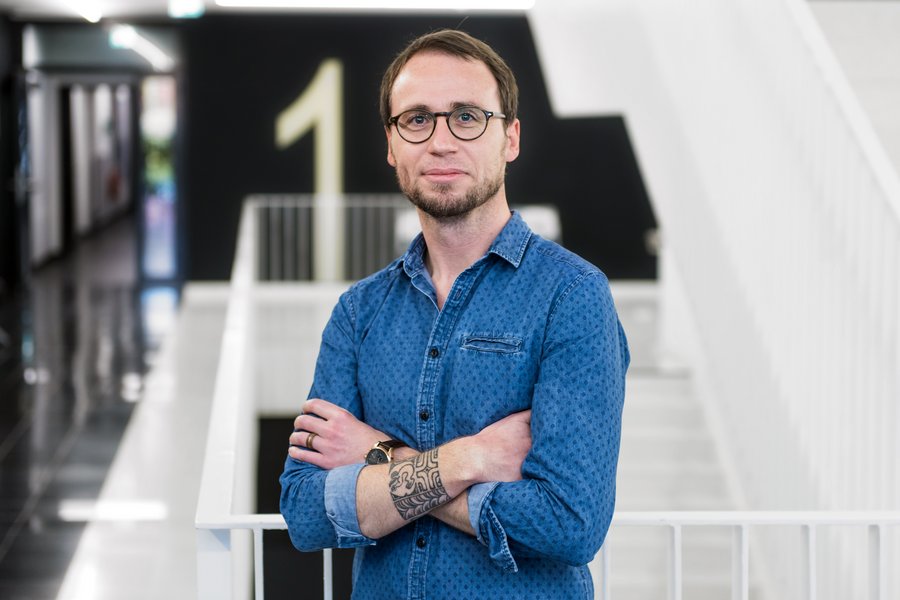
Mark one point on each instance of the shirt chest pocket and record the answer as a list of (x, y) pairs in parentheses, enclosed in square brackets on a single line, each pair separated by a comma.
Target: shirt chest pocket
[(494, 343), (491, 377)]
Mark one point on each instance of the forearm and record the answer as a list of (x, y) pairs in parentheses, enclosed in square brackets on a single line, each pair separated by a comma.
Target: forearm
[(390, 496), (456, 513)]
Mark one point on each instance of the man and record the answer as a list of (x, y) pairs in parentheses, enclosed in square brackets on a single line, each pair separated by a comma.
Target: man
[(464, 425)]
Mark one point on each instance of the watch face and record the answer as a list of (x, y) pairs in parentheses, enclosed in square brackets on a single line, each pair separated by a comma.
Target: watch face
[(376, 456)]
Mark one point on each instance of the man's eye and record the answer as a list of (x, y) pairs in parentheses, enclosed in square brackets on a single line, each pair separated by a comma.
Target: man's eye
[(417, 119), (466, 117)]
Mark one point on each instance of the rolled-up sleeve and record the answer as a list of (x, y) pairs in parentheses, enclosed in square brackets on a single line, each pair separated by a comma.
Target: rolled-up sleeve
[(562, 508), (340, 506)]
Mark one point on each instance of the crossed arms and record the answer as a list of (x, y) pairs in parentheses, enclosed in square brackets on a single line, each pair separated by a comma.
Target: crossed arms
[(389, 496)]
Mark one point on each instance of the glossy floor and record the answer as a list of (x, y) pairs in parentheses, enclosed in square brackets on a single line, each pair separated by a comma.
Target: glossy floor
[(74, 347)]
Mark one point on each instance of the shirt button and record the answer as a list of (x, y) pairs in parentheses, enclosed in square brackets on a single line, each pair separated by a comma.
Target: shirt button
[(434, 353), (424, 415), (421, 542)]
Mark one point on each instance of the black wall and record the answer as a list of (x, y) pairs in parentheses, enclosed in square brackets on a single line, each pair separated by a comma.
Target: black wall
[(240, 72), (10, 40)]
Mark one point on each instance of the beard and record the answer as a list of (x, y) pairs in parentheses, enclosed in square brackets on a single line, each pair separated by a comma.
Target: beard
[(441, 203)]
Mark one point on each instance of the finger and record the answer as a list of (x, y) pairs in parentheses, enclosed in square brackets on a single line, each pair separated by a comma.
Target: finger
[(310, 423), (322, 408), (301, 455), (310, 441), (298, 438)]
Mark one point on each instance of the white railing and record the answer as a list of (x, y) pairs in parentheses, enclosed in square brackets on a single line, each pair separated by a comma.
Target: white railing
[(370, 229), (225, 507), (374, 229), (804, 526)]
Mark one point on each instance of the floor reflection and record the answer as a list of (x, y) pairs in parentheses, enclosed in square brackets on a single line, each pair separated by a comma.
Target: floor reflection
[(78, 342)]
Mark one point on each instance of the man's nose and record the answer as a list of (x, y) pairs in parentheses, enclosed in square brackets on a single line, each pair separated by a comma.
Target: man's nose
[(442, 139)]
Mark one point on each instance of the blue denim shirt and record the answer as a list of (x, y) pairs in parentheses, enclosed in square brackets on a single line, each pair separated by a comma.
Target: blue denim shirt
[(529, 325)]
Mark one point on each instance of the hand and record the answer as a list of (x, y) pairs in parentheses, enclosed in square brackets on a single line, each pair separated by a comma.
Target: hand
[(501, 447), (340, 438)]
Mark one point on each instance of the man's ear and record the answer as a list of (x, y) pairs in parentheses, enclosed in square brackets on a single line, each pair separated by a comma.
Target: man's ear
[(390, 154), (513, 134)]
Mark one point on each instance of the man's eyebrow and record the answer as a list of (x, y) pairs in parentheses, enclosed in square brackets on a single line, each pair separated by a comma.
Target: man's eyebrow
[(421, 107), (453, 106), (456, 105)]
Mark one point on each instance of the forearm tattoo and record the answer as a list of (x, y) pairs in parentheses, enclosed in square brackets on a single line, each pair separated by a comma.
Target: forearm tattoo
[(416, 485)]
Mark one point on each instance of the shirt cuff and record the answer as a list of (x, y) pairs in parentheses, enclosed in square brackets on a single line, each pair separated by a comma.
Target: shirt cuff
[(487, 526), (340, 506), (478, 495)]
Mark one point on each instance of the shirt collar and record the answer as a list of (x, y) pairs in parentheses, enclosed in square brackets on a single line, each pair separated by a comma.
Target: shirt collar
[(509, 245)]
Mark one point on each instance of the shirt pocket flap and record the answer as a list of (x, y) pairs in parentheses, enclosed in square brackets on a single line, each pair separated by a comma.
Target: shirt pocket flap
[(486, 342)]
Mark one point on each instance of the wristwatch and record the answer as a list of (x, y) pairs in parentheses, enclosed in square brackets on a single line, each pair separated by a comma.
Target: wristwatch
[(381, 452)]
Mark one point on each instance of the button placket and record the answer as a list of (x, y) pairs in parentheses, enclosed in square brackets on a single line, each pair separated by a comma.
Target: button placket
[(417, 571), (438, 344)]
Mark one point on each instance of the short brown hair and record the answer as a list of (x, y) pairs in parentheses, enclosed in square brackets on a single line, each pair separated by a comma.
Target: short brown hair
[(463, 45)]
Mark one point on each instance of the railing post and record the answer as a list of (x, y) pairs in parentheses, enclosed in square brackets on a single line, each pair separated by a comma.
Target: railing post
[(258, 582), (740, 564), (877, 570), (604, 563), (214, 581), (675, 578), (329, 238), (327, 574), (809, 560)]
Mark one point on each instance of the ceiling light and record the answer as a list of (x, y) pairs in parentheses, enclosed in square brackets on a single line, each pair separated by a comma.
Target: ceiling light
[(126, 36), (186, 9), (89, 10)]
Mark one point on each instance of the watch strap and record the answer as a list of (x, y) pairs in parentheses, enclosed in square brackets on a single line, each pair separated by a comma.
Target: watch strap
[(389, 444)]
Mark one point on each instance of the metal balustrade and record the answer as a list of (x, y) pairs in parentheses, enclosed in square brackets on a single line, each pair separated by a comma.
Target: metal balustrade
[(805, 524), (373, 230)]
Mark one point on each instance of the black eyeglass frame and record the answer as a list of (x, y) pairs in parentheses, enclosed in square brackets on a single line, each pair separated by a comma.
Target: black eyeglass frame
[(446, 114)]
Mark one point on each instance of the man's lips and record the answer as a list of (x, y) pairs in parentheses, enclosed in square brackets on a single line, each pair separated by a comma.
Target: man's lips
[(443, 174)]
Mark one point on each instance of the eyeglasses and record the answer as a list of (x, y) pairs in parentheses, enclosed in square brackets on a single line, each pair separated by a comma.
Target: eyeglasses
[(465, 123)]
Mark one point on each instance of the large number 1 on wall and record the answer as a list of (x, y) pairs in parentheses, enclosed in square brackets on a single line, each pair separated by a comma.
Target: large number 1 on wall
[(320, 108)]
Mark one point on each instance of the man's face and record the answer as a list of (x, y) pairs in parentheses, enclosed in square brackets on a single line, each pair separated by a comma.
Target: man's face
[(444, 176)]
